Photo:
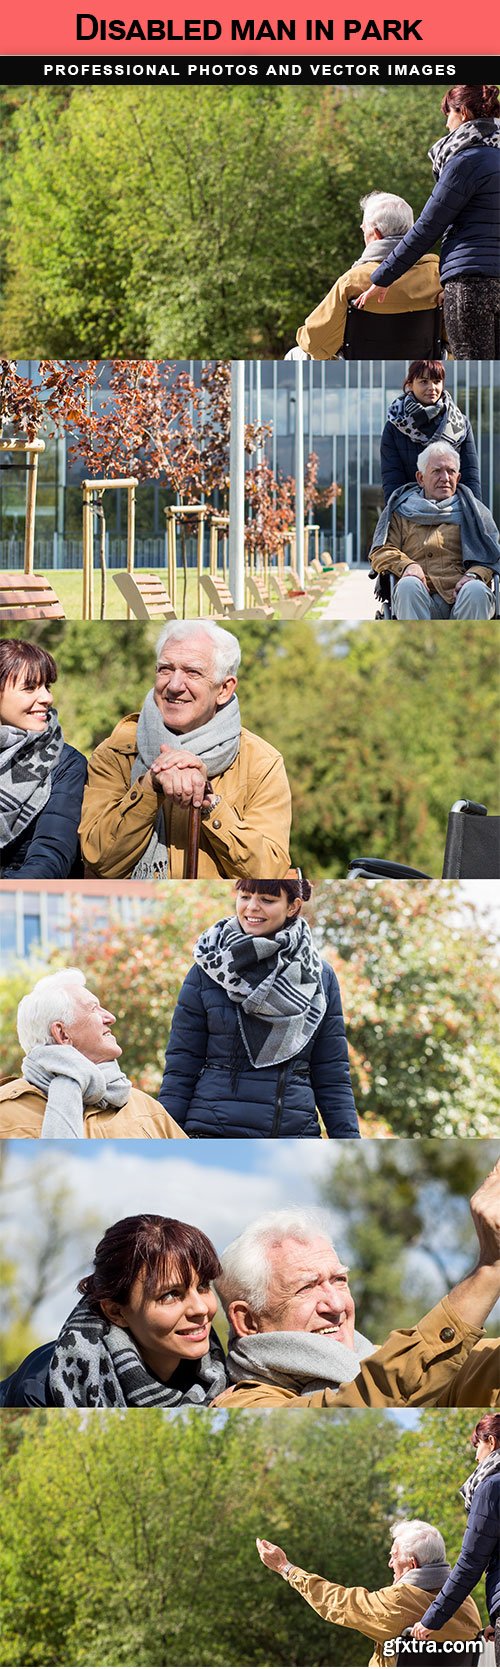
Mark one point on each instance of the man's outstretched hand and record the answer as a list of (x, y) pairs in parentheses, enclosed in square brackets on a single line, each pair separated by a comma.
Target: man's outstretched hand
[(272, 1556)]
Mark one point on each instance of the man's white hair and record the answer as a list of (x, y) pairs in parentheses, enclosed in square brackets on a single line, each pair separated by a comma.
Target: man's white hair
[(383, 212), (414, 1535), (53, 998), (227, 652), (437, 449), (246, 1270)]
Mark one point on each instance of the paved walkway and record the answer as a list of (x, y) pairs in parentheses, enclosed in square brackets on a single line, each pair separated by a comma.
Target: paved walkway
[(352, 597)]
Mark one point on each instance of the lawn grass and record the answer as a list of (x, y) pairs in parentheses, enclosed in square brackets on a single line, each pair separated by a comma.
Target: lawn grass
[(68, 584)]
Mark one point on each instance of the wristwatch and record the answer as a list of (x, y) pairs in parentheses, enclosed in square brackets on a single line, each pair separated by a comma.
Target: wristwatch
[(285, 1569)]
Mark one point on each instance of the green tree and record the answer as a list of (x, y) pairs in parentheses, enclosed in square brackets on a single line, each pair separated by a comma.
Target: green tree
[(387, 1205)]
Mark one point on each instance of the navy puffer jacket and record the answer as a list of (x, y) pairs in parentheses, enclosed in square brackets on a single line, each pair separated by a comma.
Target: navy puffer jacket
[(480, 1551), (463, 211), (28, 1386), (398, 458), (49, 848), (211, 1089)]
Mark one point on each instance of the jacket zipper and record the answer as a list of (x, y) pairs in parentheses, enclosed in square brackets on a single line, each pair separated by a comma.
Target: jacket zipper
[(278, 1105)]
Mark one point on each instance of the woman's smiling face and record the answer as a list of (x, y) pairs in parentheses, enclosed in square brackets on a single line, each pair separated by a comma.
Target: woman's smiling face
[(170, 1327), (24, 707), (264, 913)]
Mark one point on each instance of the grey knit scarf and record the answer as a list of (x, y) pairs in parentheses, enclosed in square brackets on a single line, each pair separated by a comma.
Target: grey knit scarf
[(27, 759), (98, 1365), (275, 982), (300, 1362), (71, 1082), (484, 130), (484, 1470), (429, 511), (216, 743), (378, 249), (413, 419), (430, 1577), (479, 534)]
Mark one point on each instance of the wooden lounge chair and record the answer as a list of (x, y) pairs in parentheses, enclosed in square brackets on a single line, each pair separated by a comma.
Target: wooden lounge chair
[(28, 597), (317, 573), (145, 594), (312, 585), (219, 596), (290, 608)]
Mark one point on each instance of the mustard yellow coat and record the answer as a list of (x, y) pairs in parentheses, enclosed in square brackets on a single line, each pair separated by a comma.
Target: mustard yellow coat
[(247, 833), (438, 550), (22, 1108), (323, 333), (440, 1363), (381, 1615)]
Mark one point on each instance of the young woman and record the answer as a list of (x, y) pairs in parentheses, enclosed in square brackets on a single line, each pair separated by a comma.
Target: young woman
[(463, 211), (258, 1041), (41, 778), (425, 412), (141, 1334), (480, 1550)]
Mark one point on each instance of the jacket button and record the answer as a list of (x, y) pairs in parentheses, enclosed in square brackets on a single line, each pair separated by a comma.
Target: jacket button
[(216, 823), (133, 795), (447, 1334)]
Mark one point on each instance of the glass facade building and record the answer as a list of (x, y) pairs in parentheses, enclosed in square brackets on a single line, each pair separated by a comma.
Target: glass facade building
[(345, 407)]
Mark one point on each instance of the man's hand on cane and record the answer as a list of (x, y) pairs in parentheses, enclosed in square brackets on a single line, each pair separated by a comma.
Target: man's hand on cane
[(182, 777)]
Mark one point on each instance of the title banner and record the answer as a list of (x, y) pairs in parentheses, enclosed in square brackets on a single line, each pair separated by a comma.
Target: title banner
[(445, 32)]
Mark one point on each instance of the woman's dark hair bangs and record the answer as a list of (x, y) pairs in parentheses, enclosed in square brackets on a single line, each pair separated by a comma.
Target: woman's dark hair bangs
[(18, 657)]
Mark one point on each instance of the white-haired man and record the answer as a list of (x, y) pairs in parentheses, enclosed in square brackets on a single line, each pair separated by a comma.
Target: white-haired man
[(187, 747), (72, 1085), (418, 1563), (439, 541), (292, 1335), (386, 219)]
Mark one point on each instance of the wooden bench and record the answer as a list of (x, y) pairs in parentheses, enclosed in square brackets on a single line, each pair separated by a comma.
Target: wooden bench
[(28, 597), (145, 594), (290, 608), (219, 596)]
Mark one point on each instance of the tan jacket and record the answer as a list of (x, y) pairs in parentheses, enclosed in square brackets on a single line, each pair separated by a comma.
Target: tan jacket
[(22, 1109), (440, 1363), (247, 833), (437, 549), (381, 1615), (323, 333)]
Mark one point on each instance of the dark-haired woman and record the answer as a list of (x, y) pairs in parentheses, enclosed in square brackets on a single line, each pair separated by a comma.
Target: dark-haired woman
[(258, 1044), (463, 211), (480, 1550), (141, 1335), (41, 778), (425, 412)]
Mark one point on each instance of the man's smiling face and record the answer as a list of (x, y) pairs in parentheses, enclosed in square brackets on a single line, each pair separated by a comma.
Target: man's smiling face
[(308, 1292), (187, 691)]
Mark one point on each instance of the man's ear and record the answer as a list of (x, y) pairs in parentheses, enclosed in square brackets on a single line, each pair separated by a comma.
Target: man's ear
[(419, 477), (113, 1311), (227, 689), (58, 1032), (243, 1319)]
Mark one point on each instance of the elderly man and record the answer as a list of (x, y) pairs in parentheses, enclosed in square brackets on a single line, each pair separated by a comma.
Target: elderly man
[(439, 541), (418, 1563), (187, 747), (386, 219), (292, 1337), (72, 1085)]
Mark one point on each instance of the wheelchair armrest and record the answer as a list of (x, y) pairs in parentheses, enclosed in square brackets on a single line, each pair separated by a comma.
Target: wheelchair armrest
[(377, 869)]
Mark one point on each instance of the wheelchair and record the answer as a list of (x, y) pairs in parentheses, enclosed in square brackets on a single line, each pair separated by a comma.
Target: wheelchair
[(385, 585), (472, 851), (382, 335)]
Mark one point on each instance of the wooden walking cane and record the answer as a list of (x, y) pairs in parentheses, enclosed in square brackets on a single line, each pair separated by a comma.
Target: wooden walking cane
[(193, 844)]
